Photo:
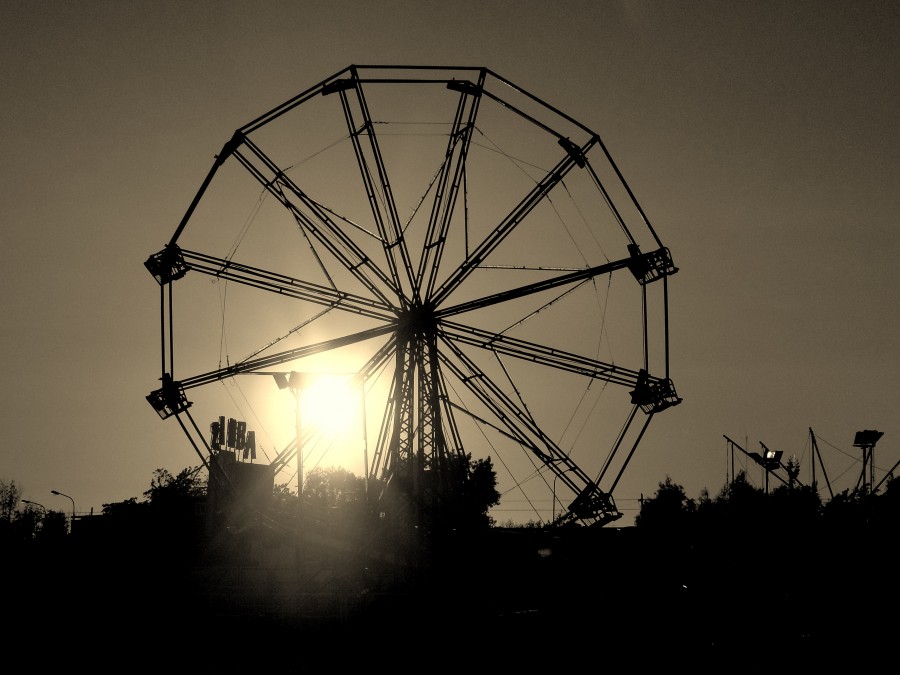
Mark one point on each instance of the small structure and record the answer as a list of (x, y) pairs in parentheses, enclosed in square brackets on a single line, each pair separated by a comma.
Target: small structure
[(236, 488)]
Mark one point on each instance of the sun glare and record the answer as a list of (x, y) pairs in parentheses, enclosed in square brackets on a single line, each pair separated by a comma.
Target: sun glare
[(330, 403), (331, 413)]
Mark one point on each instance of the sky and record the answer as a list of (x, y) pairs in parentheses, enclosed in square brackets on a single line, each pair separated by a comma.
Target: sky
[(759, 138)]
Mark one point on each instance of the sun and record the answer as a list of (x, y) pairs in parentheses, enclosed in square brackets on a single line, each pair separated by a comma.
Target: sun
[(330, 403), (331, 419)]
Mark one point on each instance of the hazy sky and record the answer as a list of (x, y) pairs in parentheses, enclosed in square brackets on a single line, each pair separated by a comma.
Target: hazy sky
[(761, 139)]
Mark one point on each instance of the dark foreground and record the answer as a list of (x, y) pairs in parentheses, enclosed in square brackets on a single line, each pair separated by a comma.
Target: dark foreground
[(525, 600)]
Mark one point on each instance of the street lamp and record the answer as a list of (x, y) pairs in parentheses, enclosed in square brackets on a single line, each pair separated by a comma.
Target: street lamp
[(554, 491), (27, 501), (295, 384), (61, 494)]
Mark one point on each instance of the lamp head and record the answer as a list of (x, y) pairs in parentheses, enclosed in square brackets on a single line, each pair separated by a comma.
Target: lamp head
[(866, 438)]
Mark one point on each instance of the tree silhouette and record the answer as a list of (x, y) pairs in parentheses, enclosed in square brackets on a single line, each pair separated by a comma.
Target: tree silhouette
[(669, 508), (165, 487), (10, 496)]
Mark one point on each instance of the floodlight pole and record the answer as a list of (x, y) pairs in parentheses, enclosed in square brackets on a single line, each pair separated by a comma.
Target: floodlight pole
[(866, 441)]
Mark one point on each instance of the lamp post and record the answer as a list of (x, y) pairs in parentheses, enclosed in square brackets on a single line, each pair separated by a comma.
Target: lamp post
[(61, 494), (28, 501), (303, 384), (296, 385), (554, 491), (294, 382)]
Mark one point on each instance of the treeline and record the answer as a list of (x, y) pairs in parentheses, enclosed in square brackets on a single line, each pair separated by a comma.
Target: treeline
[(741, 506), (783, 569)]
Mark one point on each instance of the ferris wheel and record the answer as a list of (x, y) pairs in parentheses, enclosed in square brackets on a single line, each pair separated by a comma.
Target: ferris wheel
[(469, 253)]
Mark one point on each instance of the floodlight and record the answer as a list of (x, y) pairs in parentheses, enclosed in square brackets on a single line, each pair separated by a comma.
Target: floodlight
[(866, 438)]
